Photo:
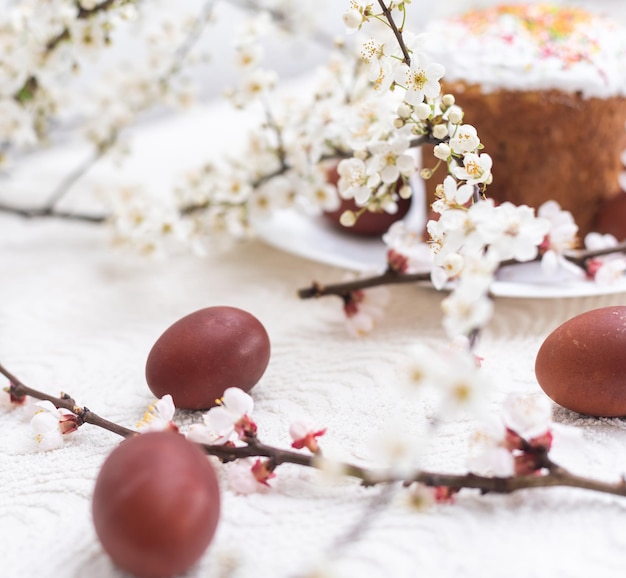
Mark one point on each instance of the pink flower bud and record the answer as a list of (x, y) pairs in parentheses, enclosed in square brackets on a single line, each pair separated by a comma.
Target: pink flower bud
[(246, 427), (304, 435), (263, 472), (397, 261), (68, 423)]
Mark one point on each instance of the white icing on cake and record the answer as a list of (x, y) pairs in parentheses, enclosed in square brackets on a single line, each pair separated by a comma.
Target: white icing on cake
[(532, 47)]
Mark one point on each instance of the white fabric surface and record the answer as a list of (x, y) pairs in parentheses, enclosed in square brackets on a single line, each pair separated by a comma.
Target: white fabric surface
[(79, 317)]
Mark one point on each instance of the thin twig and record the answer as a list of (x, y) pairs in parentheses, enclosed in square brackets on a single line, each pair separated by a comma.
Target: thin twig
[(52, 213), (396, 32), (182, 52), (19, 390), (70, 180), (389, 277), (580, 257)]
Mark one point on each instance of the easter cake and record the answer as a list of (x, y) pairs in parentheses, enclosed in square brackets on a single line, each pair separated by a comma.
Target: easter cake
[(545, 86)]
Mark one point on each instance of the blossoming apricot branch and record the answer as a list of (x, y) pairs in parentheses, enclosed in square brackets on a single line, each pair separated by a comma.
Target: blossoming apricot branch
[(19, 392), (75, 30), (585, 259), (522, 462)]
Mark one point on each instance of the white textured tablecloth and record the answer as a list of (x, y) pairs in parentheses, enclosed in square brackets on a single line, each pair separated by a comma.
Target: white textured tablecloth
[(79, 317)]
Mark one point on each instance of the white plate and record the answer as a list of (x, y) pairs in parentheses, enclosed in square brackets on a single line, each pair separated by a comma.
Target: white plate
[(316, 239)]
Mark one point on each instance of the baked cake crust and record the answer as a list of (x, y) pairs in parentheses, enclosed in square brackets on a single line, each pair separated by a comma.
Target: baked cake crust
[(546, 145), (545, 87)]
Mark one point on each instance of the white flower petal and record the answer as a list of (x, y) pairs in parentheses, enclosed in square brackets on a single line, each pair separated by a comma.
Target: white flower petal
[(220, 420), (165, 408), (44, 422), (529, 416), (238, 401), (47, 406), (200, 434)]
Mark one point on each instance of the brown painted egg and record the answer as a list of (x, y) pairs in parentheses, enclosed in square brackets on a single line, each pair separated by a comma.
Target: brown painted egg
[(582, 364), (204, 353), (370, 223), (156, 505)]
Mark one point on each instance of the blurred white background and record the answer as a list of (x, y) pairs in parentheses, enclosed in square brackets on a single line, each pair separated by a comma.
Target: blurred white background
[(293, 56)]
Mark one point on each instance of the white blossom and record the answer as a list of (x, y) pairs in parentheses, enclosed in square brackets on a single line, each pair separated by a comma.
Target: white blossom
[(440, 131), (488, 454), (455, 116), (442, 151), (16, 124), (241, 478), (476, 169), (560, 238), (406, 242), (453, 373), (364, 308), (45, 425), (390, 159), (159, 416), (50, 424), (468, 307), (258, 82), (381, 67), (611, 271), (529, 416), (422, 111), (464, 139), (451, 195), (248, 55), (607, 269), (394, 448), (231, 420), (420, 79), (354, 181), (516, 233), (353, 18)]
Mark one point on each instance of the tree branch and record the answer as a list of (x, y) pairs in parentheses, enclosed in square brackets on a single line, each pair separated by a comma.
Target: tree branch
[(19, 390), (392, 277), (389, 277), (51, 213), (551, 474)]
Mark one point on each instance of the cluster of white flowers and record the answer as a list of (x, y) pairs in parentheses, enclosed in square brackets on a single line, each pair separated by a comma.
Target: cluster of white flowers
[(48, 43), (230, 422), (453, 372), (516, 442), (472, 236), (609, 268), (292, 158)]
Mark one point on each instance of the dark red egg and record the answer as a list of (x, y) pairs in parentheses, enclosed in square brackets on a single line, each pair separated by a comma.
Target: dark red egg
[(201, 355), (582, 364), (156, 505), (370, 223)]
